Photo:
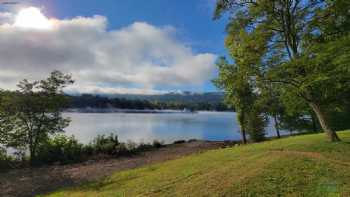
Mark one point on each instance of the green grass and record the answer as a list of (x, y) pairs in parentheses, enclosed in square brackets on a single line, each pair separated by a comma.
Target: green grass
[(306, 165)]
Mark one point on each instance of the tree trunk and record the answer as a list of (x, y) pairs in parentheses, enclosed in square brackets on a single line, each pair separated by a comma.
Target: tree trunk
[(277, 126), (314, 126), (31, 148), (244, 138), (241, 121), (332, 135), (32, 155)]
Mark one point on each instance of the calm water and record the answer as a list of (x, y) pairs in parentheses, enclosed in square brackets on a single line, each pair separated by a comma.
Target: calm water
[(148, 127)]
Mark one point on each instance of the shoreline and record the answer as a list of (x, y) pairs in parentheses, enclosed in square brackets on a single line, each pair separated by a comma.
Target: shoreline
[(118, 110), (42, 180), (34, 181), (133, 111)]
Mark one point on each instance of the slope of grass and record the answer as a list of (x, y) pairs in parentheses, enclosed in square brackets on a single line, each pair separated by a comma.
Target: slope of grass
[(306, 165)]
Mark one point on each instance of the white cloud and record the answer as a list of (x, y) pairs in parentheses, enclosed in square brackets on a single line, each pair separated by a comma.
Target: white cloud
[(6, 17), (138, 58)]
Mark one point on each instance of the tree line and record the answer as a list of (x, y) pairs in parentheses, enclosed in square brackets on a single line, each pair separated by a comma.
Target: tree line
[(96, 101), (288, 59)]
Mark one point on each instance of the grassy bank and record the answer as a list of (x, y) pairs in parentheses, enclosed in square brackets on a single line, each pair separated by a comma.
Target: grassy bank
[(305, 165)]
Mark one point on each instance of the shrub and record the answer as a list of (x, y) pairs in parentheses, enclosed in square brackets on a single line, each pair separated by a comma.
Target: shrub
[(130, 145), (2, 152), (88, 149), (110, 145), (64, 150), (158, 144), (144, 147), (179, 142), (4, 160), (121, 149), (9, 161), (60, 148), (105, 144)]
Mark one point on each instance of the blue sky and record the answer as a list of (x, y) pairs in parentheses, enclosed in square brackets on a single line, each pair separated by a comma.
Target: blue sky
[(191, 19)]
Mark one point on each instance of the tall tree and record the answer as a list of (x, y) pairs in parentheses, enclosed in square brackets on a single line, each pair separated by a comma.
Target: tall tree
[(307, 48), (239, 79), (33, 112), (238, 92)]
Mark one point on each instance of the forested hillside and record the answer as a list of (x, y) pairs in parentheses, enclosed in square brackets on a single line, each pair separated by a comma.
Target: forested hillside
[(192, 101)]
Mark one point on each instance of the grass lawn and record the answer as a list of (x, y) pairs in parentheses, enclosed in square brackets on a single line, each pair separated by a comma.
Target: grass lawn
[(306, 165)]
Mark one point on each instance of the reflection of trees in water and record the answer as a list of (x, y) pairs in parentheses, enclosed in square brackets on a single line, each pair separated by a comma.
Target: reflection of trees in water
[(148, 127)]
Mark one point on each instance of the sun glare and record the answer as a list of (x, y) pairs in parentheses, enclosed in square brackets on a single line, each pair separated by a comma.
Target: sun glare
[(32, 18)]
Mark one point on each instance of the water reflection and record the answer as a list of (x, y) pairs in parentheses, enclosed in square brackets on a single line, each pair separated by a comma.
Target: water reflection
[(148, 127)]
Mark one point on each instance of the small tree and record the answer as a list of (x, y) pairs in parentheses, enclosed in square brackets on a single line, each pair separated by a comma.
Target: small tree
[(33, 112)]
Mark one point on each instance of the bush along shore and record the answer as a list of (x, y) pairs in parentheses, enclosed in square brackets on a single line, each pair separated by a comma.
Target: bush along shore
[(44, 179), (62, 149)]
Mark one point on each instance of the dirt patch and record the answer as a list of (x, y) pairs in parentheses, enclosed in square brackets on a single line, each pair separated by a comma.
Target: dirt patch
[(31, 182)]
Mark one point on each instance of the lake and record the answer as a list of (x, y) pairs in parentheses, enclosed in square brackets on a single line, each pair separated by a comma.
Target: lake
[(140, 127)]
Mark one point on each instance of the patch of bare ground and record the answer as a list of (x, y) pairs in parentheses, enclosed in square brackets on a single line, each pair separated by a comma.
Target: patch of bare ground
[(34, 181)]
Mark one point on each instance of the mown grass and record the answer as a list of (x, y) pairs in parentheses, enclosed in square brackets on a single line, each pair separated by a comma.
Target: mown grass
[(306, 165)]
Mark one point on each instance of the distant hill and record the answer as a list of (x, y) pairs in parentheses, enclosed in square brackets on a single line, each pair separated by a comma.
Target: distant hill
[(212, 101), (185, 97)]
